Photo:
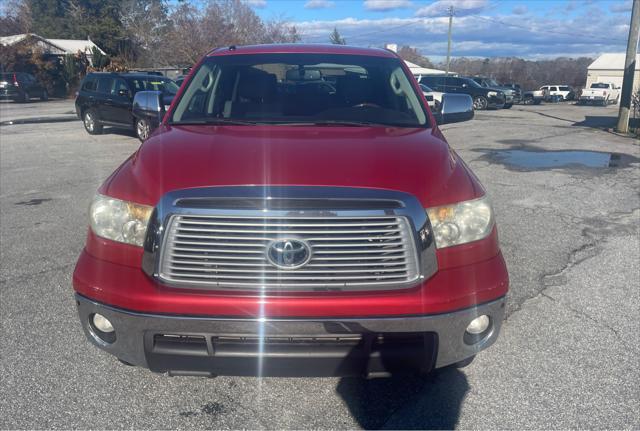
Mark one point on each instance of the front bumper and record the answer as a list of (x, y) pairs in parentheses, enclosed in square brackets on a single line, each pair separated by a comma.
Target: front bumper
[(496, 101), (337, 346)]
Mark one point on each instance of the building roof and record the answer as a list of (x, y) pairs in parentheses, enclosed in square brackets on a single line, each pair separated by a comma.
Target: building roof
[(612, 60), (73, 45), (11, 40), (69, 46), (419, 70)]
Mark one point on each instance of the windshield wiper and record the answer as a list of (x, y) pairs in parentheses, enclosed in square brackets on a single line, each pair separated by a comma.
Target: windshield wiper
[(346, 123), (215, 121)]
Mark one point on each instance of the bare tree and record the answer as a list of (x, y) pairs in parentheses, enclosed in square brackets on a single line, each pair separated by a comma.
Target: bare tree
[(412, 55), (15, 18)]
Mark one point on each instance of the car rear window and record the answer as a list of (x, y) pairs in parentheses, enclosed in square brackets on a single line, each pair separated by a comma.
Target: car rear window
[(301, 88), (153, 83)]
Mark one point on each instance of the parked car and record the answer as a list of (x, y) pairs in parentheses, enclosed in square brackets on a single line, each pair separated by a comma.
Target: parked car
[(565, 92), (21, 87), (511, 95), (180, 79), (105, 99), (483, 97), (434, 98), (602, 93), (269, 228), (518, 97), (534, 97)]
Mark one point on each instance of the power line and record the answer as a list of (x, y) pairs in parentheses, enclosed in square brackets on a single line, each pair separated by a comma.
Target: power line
[(593, 37)]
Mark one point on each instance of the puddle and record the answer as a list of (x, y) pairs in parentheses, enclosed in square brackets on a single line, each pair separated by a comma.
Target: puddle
[(532, 160)]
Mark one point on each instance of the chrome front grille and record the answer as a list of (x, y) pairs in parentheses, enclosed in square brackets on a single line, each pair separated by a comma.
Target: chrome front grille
[(347, 253)]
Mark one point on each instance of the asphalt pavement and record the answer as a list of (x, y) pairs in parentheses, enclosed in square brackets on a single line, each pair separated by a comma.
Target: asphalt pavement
[(567, 356)]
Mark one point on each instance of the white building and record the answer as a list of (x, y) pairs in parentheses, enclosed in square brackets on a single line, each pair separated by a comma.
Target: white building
[(57, 47), (610, 68), (419, 71)]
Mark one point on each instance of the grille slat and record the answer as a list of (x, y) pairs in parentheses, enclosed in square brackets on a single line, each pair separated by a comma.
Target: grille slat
[(229, 251)]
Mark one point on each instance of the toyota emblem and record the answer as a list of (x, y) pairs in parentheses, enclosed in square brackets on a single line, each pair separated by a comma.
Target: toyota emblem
[(288, 253)]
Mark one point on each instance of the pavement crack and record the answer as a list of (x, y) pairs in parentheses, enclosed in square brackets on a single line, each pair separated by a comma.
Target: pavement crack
[(587, 316), (598, 229)]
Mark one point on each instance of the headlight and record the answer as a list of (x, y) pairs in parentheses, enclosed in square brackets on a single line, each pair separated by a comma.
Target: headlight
[(119, 220), (492, 94), (461, 223)]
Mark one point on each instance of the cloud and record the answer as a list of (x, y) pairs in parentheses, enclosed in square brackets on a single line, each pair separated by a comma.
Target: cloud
[(621, 7), (460, 7), (260, 4), (319, 4), (521, 9), (385, 5), (505, 35)]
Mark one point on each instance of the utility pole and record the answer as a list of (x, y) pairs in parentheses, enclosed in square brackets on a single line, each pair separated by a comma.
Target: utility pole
[(629, 69), (449, 42)]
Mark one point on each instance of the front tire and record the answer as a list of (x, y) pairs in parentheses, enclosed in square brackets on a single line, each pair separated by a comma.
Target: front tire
[(143, 129), (480, 103), (91, 123)]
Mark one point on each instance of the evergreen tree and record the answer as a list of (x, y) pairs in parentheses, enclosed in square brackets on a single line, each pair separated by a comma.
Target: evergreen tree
[(336, 38)]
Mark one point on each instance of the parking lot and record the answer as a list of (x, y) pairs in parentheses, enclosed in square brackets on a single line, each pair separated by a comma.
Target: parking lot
[(567, 356)]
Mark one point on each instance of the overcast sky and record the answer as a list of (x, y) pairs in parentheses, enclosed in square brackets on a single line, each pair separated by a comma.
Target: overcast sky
[(482, 28)]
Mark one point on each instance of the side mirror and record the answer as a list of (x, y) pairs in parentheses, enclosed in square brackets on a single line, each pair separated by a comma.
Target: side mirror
[(124, 93), (148, 104), (455, 108)]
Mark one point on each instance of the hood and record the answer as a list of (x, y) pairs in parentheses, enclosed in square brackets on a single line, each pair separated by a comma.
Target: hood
[(416, 161)]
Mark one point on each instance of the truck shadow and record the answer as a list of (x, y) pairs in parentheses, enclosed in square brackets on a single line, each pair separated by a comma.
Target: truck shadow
[(406, 402)]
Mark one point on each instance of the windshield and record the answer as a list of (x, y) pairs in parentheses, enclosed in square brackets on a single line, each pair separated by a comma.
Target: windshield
[(492, 83), (300, 89), (153, 83), (425, 88), (599, 85)]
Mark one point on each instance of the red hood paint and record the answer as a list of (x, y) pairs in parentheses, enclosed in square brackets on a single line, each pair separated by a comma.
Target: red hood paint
[(412, 160)]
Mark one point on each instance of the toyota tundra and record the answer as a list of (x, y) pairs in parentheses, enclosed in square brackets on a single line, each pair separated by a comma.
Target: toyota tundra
[(298, 212)]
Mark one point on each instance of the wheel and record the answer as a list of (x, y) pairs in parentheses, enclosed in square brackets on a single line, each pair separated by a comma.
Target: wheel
[(91, 123), (26, 97), (143, 129), (507, 105), (45, 96), (480, 103), (528, 100)]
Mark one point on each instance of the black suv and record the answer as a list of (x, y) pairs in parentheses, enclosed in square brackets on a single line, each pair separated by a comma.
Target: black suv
[(512, 96), (483, 98), (21, 87), (106, 99)]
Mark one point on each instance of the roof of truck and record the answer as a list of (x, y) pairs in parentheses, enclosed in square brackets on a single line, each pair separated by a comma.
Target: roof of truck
[(300, 48)]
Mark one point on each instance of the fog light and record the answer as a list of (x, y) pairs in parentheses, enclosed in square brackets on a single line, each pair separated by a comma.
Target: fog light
[(102, 323), (479, 325)]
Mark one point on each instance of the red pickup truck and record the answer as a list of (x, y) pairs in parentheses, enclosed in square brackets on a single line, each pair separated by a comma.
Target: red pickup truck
[(297, 212)]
